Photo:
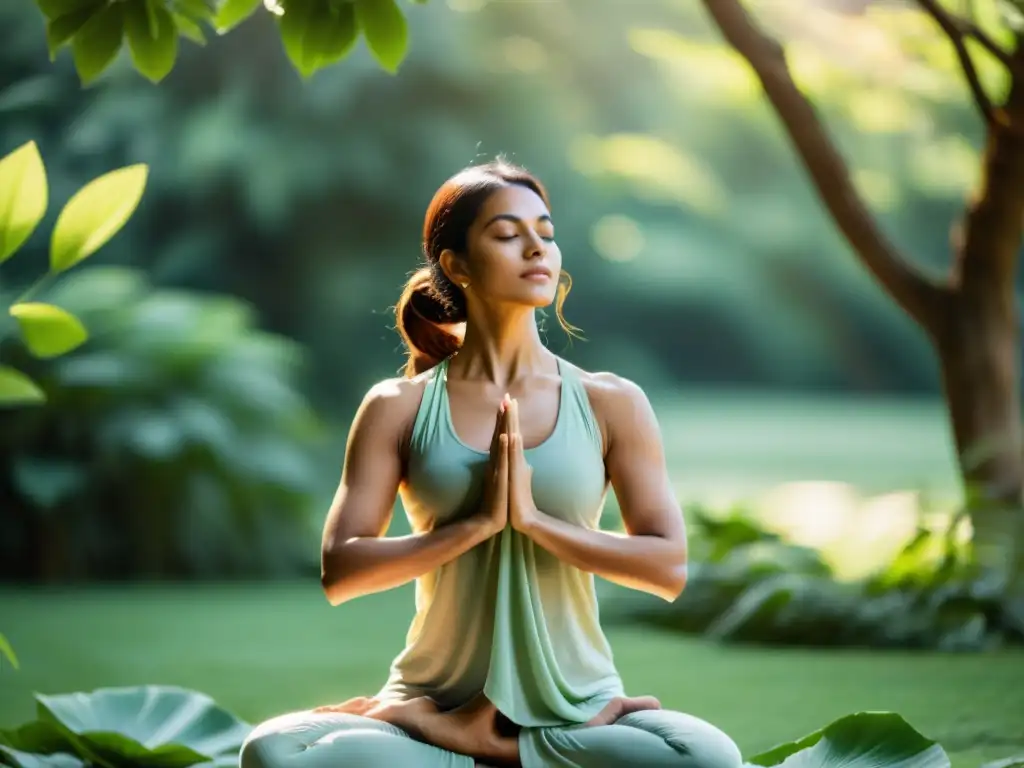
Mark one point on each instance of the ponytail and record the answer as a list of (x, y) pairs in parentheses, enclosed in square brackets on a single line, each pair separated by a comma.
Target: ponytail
[(428, 302)]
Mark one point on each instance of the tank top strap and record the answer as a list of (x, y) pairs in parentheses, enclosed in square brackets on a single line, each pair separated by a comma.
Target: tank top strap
[(577, 407), (430, 417)]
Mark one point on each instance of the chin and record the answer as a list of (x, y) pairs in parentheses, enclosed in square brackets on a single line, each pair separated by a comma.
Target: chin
[(538, 297), (538, 301)]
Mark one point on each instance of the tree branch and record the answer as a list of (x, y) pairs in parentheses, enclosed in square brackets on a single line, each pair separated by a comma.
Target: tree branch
[(956, 30), (922, 298)]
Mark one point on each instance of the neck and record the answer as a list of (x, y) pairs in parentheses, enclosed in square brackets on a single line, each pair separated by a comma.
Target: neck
[(502, 345)]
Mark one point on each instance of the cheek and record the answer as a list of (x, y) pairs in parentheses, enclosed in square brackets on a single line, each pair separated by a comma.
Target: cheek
[(493, 263), (554, 257)]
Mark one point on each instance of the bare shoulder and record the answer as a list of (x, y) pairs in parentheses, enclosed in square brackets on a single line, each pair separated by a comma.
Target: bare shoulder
[(391, 404), (618, 403)]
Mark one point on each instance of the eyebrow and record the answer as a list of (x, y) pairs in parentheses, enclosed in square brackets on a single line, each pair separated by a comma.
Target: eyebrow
[(516, 219)]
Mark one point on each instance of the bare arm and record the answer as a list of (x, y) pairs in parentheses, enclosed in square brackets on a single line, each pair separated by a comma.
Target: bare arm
[(651, 556), (357, 558)]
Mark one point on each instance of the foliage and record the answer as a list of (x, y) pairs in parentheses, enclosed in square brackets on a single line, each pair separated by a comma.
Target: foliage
[(315, 33), (176, 442), (867, 739), (752, 586), (114, 727), (92, 216), (7, 651)]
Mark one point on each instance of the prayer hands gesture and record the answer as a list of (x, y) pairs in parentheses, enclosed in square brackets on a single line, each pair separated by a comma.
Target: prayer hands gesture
[(508, 495)]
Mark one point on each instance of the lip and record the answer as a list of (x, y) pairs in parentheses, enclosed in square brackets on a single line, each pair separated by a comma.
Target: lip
[(538, 274)]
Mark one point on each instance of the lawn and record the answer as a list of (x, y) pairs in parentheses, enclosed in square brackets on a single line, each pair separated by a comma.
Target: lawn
[(264, 649)]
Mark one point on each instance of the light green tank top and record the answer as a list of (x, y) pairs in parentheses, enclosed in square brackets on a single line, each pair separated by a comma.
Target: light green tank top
[(507, 617)]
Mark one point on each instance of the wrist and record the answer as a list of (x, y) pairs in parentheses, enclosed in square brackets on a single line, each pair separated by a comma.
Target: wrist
[(529, 521), (483, 527)]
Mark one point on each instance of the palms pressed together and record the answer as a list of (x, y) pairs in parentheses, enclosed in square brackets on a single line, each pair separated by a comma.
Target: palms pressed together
[(477, 728)]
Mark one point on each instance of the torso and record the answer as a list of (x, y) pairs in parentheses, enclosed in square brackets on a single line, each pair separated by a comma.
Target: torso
[(506, 617)]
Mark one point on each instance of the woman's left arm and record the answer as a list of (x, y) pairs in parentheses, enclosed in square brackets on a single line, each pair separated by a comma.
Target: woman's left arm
[(651, 556)]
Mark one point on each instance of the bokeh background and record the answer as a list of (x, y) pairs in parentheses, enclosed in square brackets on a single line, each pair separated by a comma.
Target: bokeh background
[(162, 513)]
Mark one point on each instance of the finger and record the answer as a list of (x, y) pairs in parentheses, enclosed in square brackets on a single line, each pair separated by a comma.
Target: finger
[(515, 416), (502, 479), (499, 427), (356, 706)]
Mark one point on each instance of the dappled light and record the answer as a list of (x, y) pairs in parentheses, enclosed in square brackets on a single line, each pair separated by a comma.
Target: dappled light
[(792, 228)]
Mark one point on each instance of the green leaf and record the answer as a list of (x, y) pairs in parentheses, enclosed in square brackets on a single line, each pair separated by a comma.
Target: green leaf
[(18, 389), (234, 12), (295, 25), (48, 331), (334, 37), (7, 651), (21, 759), (23, 197), (188, 28), (37, 737), (54, 9), (63, 28), (95, 214), (862, 740), (97, 43), (199, 10), (385, 29), (315, 35), (147, 726), (152, 38), (1006, 762)]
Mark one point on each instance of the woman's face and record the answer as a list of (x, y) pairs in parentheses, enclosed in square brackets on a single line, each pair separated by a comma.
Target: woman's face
[(512, 256)]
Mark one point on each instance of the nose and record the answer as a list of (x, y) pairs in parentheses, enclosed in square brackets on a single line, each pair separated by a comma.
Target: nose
[(535, 247)]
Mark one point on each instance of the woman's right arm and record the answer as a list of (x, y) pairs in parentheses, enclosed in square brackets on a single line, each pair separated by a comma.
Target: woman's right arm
[(356, 557)]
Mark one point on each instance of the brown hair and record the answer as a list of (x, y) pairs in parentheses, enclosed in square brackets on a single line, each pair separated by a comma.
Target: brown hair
[(430, 300)]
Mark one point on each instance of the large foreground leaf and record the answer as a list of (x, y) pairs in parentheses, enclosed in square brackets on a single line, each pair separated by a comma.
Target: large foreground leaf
[(158, 726), (20, 759), (862, 740)]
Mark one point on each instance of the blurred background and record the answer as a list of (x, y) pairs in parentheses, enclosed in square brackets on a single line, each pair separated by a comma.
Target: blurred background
[(162, 513)]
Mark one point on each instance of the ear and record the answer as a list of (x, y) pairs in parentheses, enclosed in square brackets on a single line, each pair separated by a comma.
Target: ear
[(454, 267)]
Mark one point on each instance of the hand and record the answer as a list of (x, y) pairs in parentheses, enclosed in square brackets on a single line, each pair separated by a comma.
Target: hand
[(522, 512), (621, 706), (495, 499)]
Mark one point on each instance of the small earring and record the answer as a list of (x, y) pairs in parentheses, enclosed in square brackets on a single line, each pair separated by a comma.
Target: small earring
[(464, 285)]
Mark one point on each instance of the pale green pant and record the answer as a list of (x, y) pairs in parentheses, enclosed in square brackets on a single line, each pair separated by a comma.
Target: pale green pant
[(651, 739)]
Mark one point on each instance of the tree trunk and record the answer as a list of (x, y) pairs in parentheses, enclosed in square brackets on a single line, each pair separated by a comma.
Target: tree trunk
[(980, 371), (978, 341)]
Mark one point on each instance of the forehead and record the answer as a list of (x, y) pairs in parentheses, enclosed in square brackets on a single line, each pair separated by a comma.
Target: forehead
[(514, 200)]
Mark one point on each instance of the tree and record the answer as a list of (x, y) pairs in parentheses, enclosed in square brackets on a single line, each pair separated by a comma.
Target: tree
[(971, 315)]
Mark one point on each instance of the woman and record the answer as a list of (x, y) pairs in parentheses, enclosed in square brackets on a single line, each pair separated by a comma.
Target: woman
[(502, 454)]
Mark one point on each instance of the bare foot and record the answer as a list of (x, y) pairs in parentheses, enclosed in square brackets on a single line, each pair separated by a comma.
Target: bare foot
[(621, 706), (470, 729), (411, 715)]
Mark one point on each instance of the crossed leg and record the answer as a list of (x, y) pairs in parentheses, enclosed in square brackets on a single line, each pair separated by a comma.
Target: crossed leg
[(617, 737)]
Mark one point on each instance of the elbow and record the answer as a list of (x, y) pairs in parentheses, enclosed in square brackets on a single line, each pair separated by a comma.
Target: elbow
[(674, 583), (333, 590), (333, 580)]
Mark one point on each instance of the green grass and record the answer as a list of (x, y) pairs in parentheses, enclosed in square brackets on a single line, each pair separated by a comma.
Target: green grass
[(264, 649)]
